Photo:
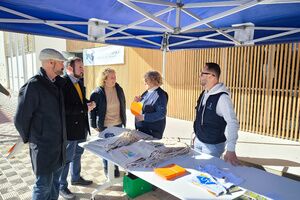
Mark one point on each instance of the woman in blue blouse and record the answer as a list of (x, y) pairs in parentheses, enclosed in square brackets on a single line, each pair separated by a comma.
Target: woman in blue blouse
[(153, 118)]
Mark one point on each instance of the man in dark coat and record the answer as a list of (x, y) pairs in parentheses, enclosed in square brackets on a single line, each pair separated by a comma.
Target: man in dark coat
[(40, 121), (76, 106)]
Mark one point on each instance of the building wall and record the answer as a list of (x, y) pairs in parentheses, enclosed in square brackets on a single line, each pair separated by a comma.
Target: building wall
[(19, 53), (3, 69), (18, 56), (78, 46), (264, 82)]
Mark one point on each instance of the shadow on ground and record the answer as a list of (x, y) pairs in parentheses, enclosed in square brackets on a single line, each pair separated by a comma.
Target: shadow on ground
[(4, 118)]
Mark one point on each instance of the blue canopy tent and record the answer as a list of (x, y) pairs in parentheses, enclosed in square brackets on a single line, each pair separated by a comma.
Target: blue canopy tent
[(157, 24)]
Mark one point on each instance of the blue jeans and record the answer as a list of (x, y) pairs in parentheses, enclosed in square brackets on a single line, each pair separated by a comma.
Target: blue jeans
[(73, 162), (46, 186), (215, 150)]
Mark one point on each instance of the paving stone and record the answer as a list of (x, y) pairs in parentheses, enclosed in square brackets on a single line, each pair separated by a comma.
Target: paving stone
[(5, 185), (5, 190), (3, 180), (13, 198), (12, 195), (6, 167), (12, 173)]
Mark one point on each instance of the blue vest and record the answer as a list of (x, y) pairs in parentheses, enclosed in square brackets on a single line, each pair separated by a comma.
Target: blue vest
[(211, 128)]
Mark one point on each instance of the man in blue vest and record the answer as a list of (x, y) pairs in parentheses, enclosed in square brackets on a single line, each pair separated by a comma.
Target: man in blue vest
[(216, 124)]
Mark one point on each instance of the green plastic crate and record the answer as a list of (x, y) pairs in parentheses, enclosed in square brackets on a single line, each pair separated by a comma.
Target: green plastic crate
[(134, 186)]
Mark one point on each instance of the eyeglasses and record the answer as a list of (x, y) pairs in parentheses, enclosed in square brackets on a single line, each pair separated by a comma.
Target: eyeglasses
[(206, 73)]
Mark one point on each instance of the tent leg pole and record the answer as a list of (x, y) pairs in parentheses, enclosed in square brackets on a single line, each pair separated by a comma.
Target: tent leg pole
[(164, 66)]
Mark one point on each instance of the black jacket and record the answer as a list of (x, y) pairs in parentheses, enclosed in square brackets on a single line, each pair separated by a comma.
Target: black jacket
[(40, 120), (77, 121), (97, 116)]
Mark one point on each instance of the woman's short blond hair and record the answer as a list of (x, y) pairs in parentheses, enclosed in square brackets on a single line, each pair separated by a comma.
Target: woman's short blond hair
[(154, 77), (105, 74)]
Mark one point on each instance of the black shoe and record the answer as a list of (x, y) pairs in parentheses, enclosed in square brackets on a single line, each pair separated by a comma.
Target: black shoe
[(66, 194), (81, 181), (117, 172)]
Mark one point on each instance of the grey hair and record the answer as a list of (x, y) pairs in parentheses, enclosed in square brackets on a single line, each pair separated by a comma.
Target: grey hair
[(154, 77)]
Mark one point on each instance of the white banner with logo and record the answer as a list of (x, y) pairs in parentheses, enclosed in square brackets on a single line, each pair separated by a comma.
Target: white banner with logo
[(108, 55)]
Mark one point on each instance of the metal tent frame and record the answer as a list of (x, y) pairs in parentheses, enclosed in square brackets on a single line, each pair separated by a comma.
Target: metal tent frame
[(164, 30)]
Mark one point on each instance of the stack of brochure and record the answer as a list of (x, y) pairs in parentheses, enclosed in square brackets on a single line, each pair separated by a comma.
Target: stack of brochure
[(170, 172)]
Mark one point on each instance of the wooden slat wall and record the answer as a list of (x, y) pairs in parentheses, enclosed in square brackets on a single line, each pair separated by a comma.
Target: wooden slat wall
[(264, 82)]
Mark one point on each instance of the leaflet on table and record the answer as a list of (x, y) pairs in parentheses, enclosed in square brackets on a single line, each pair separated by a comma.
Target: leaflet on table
[(133, 152), (207, 182), (227, 179), (215, 180)]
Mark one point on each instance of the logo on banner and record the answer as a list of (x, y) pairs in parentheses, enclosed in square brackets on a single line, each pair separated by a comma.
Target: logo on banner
[(108, 55)]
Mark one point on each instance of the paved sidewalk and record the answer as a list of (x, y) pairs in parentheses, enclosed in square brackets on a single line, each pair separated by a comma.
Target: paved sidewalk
[(17, 178)]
